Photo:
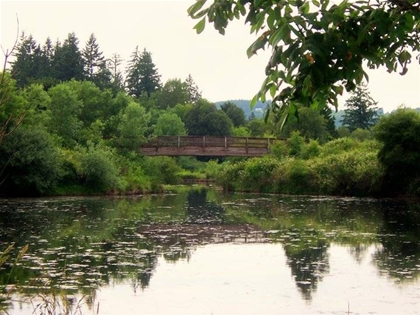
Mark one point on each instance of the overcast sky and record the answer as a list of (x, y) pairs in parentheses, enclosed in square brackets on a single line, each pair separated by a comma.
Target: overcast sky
[(218, 64)]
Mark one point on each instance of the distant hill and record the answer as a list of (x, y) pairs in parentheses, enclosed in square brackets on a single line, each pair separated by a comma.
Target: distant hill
[(258, 109)]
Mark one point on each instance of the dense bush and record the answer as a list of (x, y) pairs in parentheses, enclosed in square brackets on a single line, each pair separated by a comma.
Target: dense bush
[(30, 164), (99, 169), (399, 133)]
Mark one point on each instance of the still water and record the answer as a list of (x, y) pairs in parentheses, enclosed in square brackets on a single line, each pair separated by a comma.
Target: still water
[(199, 251)]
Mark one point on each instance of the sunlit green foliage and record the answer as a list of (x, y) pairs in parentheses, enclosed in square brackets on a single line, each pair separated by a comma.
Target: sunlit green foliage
[(133, 126), (169, 124)]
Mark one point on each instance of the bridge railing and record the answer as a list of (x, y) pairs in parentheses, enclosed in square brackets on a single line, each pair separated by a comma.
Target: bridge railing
[(208, 141)]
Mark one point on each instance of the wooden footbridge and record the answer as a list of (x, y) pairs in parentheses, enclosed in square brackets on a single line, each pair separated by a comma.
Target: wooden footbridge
[(206, 146)]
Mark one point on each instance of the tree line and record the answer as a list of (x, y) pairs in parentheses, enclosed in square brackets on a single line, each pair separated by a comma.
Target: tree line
[(74, 124)]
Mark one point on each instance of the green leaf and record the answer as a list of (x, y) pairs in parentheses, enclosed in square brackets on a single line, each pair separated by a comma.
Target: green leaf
[(199, 27), (258, 44), (283, 33), (192, 10), (304, 9), (254, 100)]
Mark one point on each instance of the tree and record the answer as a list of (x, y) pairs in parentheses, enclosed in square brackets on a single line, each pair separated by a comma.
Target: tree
[(142, 76), (361, 111), (25, 67), (94, 64), (311, 125), (172, 93), (117, 80), (204, 119), (169, 124), (235, 113), (66, 108), (67, 62), (400, 154), (194, 93), (133, 126), (319, 48), (30, 163)]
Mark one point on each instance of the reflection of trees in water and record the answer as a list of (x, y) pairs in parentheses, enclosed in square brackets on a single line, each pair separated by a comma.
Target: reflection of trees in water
[(359, 252), (199, 210), (399, 256), (309, 262)]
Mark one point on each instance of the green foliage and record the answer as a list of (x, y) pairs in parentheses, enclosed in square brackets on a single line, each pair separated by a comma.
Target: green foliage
[(169, 124), (235, 113), (295, 143), (343, 132), (310, 150), (66, 108), (133, 126), (399, 133), (94, 64), (240, 132), (173, 92), (339, 145), (162, 170), (319, 48), (311, 125), (353, 173), (99, 171), (142, 74), (134, 178), (361, 134), (257, 127), (29, 163), (279, 149), (204, 119), (294, 176)]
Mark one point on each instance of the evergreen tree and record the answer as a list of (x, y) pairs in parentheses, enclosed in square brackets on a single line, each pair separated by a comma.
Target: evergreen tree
[(193, 91), (68, 62), (361, 112), (117, 80), (24, 67), (142, 76), (94, 64)]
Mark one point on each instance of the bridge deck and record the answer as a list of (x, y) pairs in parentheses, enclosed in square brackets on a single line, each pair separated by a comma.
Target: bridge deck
[(206, 146)]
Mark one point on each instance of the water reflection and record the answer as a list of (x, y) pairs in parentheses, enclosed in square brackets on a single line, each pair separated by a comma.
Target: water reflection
[(82, 244)]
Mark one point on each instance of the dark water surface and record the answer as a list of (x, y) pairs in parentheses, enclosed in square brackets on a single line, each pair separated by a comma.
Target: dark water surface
[(199, 251)]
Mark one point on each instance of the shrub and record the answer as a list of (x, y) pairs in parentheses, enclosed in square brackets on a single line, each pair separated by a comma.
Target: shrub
[(99, 170), (399, 133), (294, 176), (361, 134), (30, 164), (295, 143), (354, 173), (310, 150), (162, 170)]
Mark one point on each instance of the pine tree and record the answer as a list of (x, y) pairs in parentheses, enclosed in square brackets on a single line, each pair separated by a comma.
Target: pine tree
[(94, 64), (361, 112), (24, 67), (193, 91), (117, 80), (68, 62), (142, 74)]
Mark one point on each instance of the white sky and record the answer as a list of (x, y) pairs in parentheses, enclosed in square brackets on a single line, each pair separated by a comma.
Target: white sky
[(218, 64)]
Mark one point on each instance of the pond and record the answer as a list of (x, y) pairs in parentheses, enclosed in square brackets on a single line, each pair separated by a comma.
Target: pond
[(200, 251)]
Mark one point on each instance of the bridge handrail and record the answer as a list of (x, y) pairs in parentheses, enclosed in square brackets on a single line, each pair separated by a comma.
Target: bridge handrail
[(208, 141)]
